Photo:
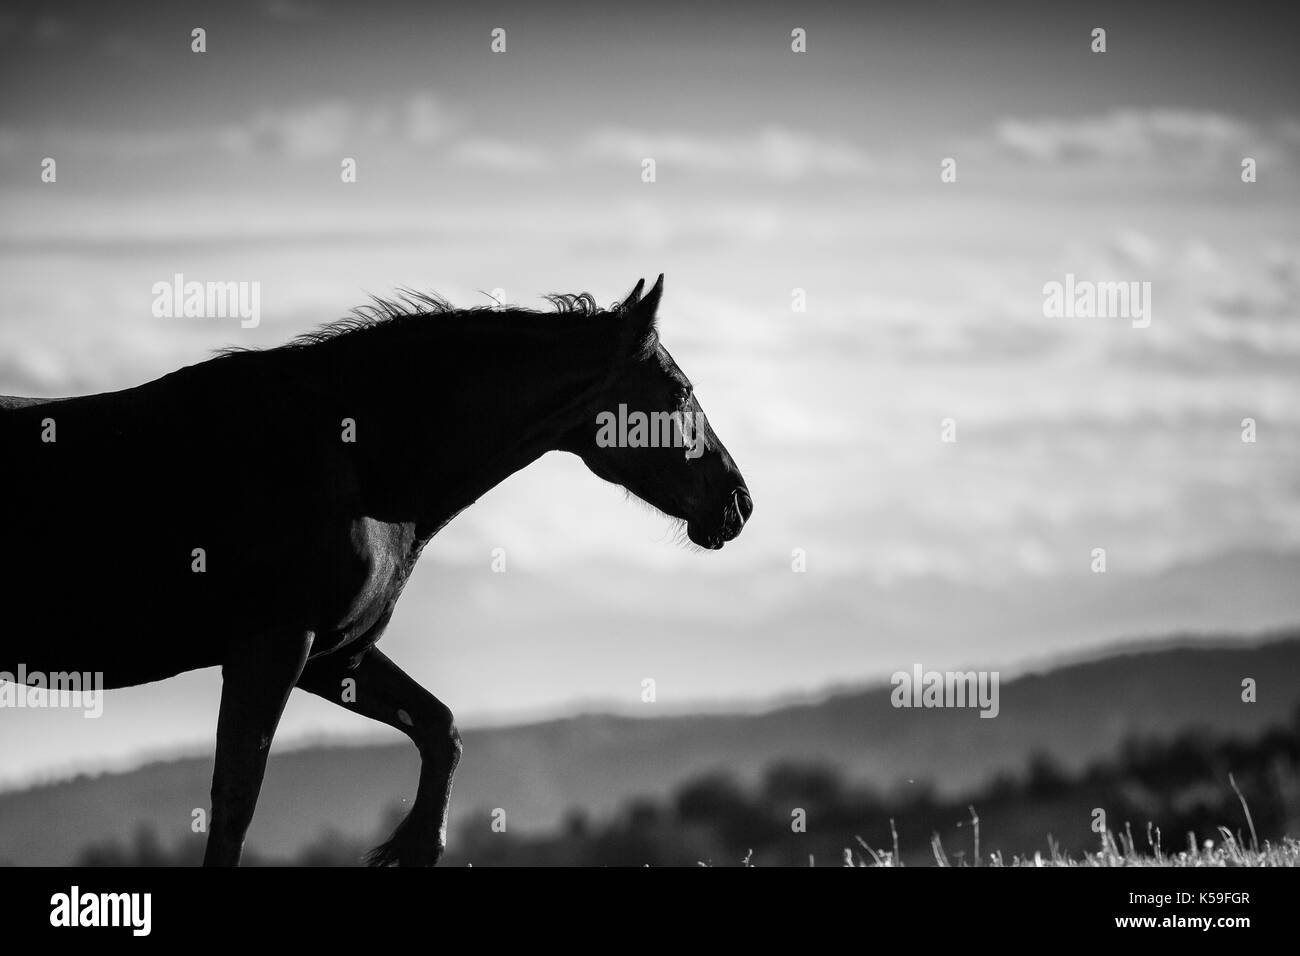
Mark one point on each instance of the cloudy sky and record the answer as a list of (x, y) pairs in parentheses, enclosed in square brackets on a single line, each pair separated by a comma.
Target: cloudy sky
[(776, 171)]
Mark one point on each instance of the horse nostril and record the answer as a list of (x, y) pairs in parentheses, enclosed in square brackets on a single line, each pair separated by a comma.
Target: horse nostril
[(744, 503)]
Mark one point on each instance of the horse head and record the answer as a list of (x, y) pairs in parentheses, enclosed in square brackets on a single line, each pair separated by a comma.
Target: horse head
[(651, 436)]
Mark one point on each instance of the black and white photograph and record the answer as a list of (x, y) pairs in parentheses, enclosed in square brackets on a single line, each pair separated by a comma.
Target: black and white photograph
[(673, 436)]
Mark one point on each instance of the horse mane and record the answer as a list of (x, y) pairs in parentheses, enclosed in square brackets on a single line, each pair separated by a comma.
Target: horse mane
[(408, 305)]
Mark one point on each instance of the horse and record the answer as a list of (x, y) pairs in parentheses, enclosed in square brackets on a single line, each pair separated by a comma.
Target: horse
[(261, 511)]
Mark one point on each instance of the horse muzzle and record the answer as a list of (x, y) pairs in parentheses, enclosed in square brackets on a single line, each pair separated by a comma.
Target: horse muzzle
[(734, 515)]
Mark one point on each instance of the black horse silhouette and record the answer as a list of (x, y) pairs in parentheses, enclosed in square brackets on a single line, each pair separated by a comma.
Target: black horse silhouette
[(263, 510)]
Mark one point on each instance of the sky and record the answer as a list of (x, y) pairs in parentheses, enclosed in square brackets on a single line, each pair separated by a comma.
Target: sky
[(778, 174)]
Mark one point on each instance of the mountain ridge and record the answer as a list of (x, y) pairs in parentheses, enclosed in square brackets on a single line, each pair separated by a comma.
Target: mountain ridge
[(596, 762)]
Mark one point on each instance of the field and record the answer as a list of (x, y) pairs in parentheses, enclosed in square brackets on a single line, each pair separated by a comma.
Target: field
[(1228, 852)]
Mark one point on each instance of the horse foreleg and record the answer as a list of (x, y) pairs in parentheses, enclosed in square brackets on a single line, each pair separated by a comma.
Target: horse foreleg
[(383, 692), (257, 678)]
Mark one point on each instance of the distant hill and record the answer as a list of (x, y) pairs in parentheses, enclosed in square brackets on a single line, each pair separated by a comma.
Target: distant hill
[(1075, 714)]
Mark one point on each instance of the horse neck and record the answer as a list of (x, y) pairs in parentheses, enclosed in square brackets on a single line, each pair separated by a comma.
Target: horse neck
[(462, 403)]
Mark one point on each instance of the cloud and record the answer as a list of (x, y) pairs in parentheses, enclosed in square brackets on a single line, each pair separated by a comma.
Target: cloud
[(772, 152), (317, 130), (1217, 307), (322, 128), (501, 155), (1161, 139), (335, 127), (424, 119)]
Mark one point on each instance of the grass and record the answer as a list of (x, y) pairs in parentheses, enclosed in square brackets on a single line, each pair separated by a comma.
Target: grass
[(1115, 850), (1229, 852)]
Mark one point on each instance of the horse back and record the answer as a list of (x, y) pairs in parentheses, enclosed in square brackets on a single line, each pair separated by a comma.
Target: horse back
[(18, 401)]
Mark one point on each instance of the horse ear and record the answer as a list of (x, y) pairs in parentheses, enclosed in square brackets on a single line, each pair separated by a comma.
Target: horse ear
[(643, 313), (650, 304), (640, 317), (633, 297)]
